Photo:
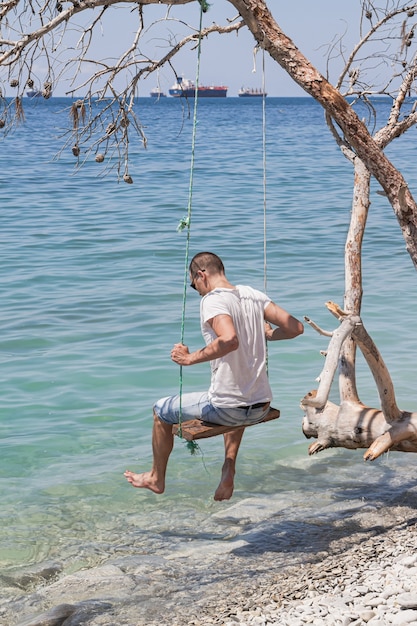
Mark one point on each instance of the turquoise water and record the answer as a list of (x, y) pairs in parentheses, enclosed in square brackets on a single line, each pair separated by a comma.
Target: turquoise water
[(91, 298)]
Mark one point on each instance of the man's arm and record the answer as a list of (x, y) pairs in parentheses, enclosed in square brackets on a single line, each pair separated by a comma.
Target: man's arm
[(288, 326), (225, 342)]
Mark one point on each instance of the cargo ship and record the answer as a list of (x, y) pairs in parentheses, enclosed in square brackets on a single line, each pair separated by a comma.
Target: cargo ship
[(247, 92), (157, 92), (185, 88)]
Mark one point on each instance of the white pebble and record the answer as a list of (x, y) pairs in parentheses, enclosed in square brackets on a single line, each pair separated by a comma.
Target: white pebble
[(391, 590), (404, 617), (408, 561), (407, 600)]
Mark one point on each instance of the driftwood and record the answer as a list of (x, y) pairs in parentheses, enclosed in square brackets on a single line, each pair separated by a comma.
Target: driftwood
[(352, 424)]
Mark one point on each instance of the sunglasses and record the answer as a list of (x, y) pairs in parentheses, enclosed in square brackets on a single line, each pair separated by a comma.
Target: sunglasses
[(192, 284)]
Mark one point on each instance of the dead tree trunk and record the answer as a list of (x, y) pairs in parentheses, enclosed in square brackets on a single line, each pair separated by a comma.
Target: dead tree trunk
[(351, 424)]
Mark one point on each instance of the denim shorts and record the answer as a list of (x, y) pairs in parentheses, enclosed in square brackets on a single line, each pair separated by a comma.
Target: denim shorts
[(196, 405)]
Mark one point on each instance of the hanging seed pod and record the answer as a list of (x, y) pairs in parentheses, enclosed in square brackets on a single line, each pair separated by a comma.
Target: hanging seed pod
[(75, 150), (19, 112), (2, 123), (124, 123), (14, 82), (77, 113), (30, 83), (81, 110), (128, 179), (410, 13), (368, 14), (47, 90), (99, 158)]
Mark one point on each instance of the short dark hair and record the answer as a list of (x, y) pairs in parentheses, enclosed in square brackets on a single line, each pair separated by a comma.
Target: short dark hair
[(207, 261)]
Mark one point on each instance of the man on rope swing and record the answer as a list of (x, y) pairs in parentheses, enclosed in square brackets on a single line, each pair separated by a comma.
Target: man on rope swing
[(234, 322)]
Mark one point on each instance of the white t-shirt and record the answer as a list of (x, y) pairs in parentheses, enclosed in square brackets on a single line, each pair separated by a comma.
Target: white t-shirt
[(240, 377)]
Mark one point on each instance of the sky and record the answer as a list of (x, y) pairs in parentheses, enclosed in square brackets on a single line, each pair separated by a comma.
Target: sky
[(229, 59)]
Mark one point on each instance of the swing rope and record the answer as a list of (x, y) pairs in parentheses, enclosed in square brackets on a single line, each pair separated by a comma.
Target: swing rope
[(186, 221), (264, 169), (264, 185)]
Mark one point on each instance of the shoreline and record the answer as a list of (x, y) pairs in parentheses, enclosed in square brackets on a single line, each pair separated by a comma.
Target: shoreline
[(373, 581), (353, 567)]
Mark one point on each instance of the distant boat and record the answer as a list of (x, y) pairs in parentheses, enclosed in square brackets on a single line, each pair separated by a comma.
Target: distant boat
[(34, 93), (38, 93), (157, 92), (247, 92), (185, 88)]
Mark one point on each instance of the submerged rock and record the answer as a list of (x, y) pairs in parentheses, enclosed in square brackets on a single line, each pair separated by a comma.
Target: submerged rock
[(31, 578), (54, 617), (68, 614)]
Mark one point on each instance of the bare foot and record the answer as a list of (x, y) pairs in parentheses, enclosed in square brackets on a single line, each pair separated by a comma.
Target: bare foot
[(144, 481), (225, 489)]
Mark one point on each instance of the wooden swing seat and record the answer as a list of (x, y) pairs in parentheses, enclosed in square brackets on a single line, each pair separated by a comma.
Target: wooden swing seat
[(196, 429)]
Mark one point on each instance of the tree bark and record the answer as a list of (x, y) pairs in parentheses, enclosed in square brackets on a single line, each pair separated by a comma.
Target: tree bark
[(353, 277)]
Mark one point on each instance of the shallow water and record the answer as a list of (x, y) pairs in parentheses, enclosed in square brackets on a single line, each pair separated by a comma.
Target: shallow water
[(92, 281)]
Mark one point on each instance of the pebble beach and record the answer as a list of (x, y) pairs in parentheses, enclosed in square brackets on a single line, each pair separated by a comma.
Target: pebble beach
[(345, 568), (372, 582)]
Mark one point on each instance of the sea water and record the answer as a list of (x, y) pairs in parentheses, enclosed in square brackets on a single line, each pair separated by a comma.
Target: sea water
[(92, 283)]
